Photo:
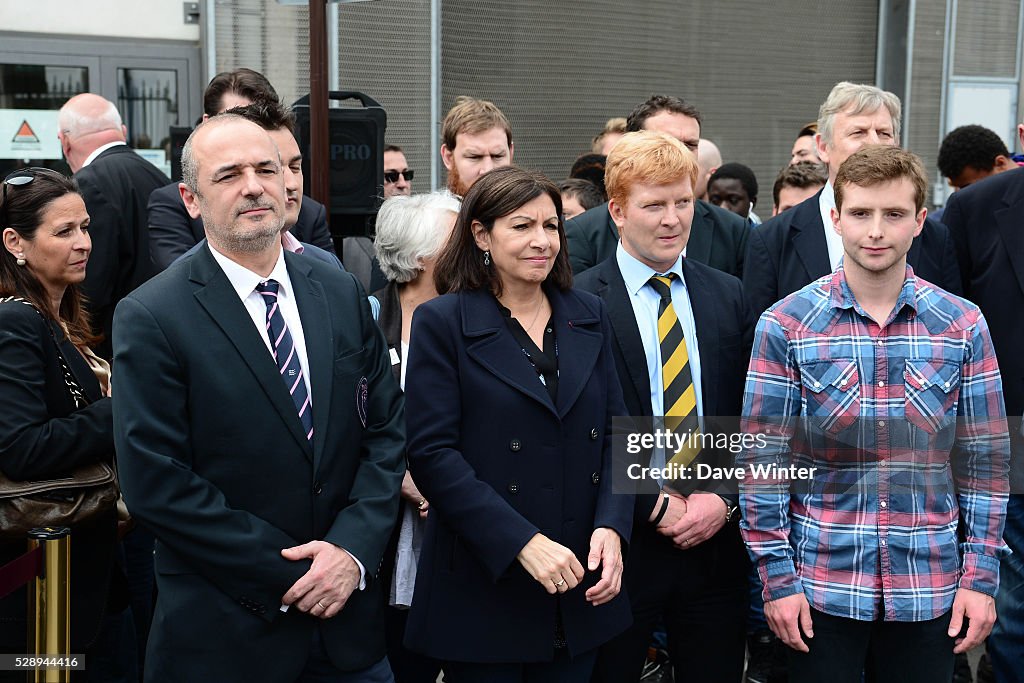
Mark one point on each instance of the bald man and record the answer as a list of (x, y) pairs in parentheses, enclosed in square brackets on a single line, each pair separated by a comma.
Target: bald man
[(115, 183), (708, 159)]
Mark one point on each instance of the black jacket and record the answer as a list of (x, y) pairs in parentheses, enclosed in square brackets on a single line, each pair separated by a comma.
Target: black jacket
[(718, 238), (116, 188), (789, 251)]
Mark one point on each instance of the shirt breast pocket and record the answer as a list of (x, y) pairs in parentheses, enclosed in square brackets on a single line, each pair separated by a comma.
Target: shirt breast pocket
[(832, 393), (932, 389)]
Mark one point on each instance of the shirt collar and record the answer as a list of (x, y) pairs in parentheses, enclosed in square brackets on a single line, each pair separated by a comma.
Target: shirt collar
[(291, 244), (100, 150), (637, 274), (244, 281), (827, 198), (841, 296)]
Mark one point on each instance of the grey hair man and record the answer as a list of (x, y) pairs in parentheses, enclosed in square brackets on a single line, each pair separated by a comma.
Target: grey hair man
[(797, 247)]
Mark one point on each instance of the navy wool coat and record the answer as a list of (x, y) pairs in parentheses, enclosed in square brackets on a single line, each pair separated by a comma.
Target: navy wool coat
[(500, 462)]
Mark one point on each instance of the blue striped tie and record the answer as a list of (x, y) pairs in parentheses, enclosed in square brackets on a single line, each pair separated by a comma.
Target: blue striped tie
[(285, 355)]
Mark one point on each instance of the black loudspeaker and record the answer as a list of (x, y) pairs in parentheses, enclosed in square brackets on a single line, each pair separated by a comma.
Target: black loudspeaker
[(356, 152), (179, 135)]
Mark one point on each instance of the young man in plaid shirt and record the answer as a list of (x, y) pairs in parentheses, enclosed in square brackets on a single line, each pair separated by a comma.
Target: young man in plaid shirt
[(889, 387)]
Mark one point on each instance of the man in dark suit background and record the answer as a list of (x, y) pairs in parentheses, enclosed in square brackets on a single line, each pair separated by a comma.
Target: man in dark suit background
[(718, 238), (799, 246), (686, 565), (173, 231), (259, 436), (115, 183), (985, 222)]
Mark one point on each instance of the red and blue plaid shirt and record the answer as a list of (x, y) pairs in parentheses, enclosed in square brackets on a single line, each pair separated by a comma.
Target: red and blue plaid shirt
[(905, 425)]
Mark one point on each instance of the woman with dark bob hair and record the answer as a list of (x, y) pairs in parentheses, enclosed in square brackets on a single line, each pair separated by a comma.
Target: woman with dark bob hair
[(511, 387), (55, 410)]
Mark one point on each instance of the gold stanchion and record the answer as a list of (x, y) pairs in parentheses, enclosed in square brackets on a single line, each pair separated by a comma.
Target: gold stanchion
[(50, 605)]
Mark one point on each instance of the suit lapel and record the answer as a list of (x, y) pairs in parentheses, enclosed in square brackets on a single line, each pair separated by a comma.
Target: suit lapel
[(809, 239), (216, 295), (494, 347), (318, 331), (698, 247), (627, 332), (575, 334), (705, 318), (1008, 219)]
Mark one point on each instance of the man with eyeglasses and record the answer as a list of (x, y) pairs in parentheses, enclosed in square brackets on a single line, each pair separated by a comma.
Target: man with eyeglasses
[(397, 174), (115, 183)]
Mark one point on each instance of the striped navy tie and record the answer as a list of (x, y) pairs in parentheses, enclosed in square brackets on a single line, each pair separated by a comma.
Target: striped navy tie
[(285, 355)]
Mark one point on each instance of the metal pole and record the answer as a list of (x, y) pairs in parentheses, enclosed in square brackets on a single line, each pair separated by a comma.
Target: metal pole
[(435, 93), (319, 141), (49, 603)]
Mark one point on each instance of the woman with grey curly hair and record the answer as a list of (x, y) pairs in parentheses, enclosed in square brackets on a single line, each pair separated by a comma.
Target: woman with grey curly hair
[(410, 233)]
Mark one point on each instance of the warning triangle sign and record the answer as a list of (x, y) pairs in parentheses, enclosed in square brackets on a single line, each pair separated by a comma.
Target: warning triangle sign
[(25, 133)]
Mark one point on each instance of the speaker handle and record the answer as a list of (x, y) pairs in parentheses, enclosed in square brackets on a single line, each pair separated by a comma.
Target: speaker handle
[(363, 98)]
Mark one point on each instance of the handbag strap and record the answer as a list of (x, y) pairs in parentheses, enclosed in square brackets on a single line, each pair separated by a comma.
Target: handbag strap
[(74, 388)]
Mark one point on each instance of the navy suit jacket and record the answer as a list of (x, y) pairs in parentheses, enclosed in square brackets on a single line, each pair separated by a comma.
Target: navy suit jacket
[(116, 187), (214, 461), (718, 238), (499, 462), (724, 337), (789, 251), (172, 231), (986, 220)]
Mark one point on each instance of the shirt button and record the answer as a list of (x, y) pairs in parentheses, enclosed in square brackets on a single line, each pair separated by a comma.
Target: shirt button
[(946, 385), (842, 382), (593, 434), (883, 463), (513, 488), (880, 342), (882, 503), (883, 542), (881, 423), (515, 445), (817, 384), (881, 384)]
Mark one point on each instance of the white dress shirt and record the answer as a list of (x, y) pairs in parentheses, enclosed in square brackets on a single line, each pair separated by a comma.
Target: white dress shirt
[(827, 202), (100, 150)]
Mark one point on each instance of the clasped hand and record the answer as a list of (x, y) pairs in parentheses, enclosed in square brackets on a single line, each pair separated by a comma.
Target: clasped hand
[(556, 568), (323, 590)]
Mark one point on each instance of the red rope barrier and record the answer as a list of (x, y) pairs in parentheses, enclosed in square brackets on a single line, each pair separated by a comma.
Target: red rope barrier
[(20, 571)]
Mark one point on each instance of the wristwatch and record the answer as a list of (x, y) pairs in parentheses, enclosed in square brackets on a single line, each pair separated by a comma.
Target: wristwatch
[(731, 511)]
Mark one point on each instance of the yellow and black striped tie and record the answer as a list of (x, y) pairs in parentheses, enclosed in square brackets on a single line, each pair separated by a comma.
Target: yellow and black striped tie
[(679, 401)]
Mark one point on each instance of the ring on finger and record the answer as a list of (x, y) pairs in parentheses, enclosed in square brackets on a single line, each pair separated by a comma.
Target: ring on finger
[(322, 605), (560, 583)]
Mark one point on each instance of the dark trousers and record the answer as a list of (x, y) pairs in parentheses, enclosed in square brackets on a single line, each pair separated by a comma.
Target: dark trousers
[(702, 596), (320, 669), (890, 651), (564, 669), (406, 665)]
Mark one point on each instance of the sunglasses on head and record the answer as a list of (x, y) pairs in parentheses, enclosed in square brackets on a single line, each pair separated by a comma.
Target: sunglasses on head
[(23, 176), (392, 176)]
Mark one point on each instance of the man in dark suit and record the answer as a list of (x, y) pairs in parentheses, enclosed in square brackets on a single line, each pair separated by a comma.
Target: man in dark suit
[(259, 437), (799, 246), (172, 232), (115, 183), (718, 237), (686, 564), (985, 222)]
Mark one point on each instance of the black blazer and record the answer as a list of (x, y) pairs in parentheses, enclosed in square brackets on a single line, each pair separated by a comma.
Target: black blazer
[(116, 187), (173, 232), (390, 321), (724, 338), (214, 461), (718, 238), (42, 436), (500, 461), (789, 251), (985, 221)]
